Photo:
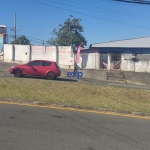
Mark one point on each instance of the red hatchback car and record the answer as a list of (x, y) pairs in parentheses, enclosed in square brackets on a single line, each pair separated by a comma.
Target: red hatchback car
[(42, 68)]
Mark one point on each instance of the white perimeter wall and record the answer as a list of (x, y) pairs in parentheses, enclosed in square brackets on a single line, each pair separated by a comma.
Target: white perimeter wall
[(43, 53), (63, 55), (16, 53), (139, 66), (8, 53), (87, 61), (66, 57), (21, 53)]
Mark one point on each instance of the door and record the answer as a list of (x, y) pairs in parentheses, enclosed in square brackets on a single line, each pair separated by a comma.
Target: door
[(45, 67), (33, 68)]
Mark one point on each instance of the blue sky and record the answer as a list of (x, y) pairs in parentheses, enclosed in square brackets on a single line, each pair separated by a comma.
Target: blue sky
[(102, 20)]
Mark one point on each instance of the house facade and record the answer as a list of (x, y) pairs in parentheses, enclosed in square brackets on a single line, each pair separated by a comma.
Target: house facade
[(125, 55)]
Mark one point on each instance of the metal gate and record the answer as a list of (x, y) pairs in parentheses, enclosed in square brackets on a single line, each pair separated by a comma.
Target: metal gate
[(115, 60), (103, 60)]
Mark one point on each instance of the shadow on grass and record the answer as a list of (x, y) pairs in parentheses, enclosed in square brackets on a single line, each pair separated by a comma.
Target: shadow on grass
[(58, 79), (36, 77), (65, 79)]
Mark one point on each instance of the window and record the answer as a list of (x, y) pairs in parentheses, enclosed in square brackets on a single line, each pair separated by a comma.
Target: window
[(35, 63), (56, 65), (45, 63)]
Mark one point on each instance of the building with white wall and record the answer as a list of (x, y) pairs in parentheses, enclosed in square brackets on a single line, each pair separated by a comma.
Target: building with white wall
[(3, 37), (126, 55)]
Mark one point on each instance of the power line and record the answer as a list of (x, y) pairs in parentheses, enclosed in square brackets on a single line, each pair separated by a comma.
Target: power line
[(90, 15), (26, 37), (41, 40), (135, 1), (31, 39), (100, 9), (115, 1), (35, 39)]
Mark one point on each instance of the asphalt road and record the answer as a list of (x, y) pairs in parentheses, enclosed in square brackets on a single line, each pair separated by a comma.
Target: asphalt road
[(34, 128)]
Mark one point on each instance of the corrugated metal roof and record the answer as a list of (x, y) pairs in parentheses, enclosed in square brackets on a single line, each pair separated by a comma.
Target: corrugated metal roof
[(1, 25), (136, 42)]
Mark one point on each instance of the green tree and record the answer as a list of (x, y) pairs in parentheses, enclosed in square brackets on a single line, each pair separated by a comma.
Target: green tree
[(70, 33), (22, 40)]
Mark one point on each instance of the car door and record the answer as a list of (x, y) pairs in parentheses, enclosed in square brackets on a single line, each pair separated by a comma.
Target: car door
[(45, 67), (34, 68)]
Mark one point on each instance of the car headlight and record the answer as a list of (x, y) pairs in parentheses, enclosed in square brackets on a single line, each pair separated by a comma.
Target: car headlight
[(12, 67)]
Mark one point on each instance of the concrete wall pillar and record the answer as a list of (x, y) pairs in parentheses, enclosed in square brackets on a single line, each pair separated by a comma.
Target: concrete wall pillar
[(28, 53), (13, 53), (57, 55), (122, 61), (97, 60), (109, 59)]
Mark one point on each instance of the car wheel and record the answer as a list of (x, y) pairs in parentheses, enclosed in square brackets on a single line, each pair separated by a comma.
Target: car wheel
[(17, 73), (51, 76)]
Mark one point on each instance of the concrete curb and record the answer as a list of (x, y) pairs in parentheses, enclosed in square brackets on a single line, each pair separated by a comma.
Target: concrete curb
[(109, 83), (104, 110)]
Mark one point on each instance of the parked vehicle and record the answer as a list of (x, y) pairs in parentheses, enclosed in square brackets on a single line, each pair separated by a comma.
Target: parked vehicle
[(42, 68)]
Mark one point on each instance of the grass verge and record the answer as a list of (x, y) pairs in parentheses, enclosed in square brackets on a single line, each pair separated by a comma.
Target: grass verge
[(75, 94)]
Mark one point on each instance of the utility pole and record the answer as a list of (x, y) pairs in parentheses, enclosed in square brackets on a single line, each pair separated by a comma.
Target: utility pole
[(15, 26)]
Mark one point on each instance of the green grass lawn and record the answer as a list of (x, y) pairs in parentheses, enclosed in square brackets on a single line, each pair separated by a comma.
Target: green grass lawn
[(75, 94)]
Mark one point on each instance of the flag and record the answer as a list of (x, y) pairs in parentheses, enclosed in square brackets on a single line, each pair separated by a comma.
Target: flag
[(78, 54)]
